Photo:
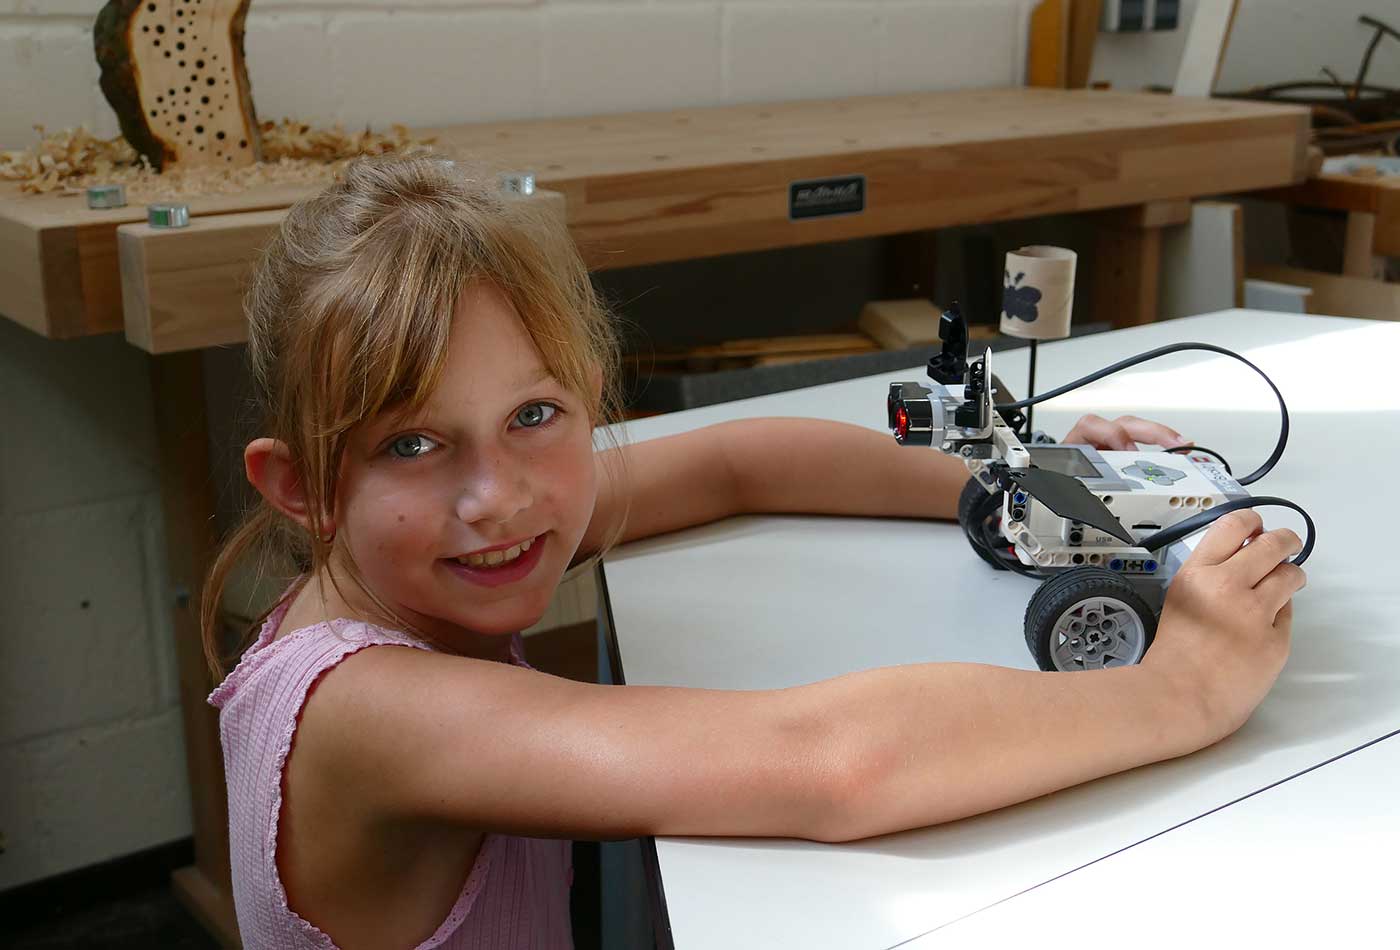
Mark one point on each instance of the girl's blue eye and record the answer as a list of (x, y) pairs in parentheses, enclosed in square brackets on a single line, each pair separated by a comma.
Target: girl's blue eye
[(536, 414), (411, 446)]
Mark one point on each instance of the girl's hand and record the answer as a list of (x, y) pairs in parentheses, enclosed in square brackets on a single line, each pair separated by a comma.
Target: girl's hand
[(1122, 433), (1224, 632)]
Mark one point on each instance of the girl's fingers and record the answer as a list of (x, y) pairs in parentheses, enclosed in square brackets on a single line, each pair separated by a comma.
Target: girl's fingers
[(1264, 554), (1101, 434), (1223, 538), (1151, 433), (1279, 585), (1123, 434)]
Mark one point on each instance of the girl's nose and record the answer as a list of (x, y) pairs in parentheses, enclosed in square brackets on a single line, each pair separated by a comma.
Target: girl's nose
[(495, 492)]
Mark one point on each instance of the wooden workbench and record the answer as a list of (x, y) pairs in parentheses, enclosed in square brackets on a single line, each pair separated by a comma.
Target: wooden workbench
[(1373, 212), (639, 188), (660, 186)]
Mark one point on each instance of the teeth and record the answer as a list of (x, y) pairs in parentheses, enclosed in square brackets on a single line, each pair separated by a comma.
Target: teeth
[(495, 558)]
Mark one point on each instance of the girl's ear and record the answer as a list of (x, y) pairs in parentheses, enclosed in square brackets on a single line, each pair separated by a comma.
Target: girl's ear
[(268, 464)]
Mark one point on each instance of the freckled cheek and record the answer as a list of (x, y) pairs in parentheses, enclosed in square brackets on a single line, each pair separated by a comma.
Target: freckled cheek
[(566, 481), (392, 520)]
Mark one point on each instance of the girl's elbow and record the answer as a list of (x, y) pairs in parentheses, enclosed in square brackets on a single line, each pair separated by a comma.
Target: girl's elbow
[(846, 803)]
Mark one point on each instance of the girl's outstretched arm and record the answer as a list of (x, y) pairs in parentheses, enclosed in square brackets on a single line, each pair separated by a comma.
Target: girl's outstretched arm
[(487, 746), (811, 466), (411, 736), (775, 465), (823, 467)]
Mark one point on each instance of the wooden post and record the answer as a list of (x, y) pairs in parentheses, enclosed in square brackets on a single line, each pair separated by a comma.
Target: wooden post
[(1083, 30), (1128, 258), (187, 500), (1048, 50), (1358, 253)]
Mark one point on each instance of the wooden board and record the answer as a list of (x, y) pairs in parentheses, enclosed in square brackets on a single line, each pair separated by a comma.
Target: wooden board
[(734, 353), (187, 500), (660, 186), (1205, 47), (1048, 52), (1338, 296), (1127, 257), (1084, 18), (1341, 192), (900, 324), (175, 76), (182, 288)]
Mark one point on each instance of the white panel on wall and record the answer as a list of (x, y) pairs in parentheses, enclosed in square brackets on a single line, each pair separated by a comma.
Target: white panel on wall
[(956, 45), (48, 75), (799, 51), (435, 69), (289, 66), (53, 8), (629, 57)]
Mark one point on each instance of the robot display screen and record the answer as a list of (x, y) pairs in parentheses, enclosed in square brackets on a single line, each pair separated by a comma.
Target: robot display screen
[(1064, 459)]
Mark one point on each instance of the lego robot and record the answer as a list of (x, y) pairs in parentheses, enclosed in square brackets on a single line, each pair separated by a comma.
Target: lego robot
[(1104, 530)]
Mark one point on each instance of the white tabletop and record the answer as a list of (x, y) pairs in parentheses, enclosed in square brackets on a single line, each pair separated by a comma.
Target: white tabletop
[(760, 602), (1318, 852)]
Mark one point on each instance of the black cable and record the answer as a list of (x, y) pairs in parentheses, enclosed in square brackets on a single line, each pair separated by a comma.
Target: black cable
[(1254, 476), (1203, 520), (1202, 448)]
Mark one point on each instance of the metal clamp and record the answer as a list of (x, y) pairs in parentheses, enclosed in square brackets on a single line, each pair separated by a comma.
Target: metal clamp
[(106, 196), (518, 183), (168, 215)]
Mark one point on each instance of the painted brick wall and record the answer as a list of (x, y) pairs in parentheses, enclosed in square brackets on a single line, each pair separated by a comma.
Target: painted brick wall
[(442, 61), (91, 760)]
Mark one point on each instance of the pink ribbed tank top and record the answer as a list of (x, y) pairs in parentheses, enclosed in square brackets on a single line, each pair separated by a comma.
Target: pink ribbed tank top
[(517, 891)]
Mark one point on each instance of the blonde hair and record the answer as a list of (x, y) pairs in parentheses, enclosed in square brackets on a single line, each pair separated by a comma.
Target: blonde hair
[(348, 317)]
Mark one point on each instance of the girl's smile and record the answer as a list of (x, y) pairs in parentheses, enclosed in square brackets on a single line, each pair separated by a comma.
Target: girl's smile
[(497, 567)]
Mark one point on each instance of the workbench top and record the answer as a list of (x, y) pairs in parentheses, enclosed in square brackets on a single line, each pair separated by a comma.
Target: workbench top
[(646, 187)]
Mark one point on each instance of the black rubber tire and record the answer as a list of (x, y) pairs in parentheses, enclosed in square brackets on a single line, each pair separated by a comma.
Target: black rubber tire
[(1061, 592), (972, 495)]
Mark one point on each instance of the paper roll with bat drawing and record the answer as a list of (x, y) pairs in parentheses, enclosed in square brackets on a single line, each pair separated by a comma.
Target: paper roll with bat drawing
[(1038, 292)]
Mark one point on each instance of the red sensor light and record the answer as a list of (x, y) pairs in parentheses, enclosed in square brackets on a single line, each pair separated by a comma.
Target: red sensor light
[(901, 422)]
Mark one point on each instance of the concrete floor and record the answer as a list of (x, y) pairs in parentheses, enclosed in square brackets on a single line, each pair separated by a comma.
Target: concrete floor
[(147, 918)]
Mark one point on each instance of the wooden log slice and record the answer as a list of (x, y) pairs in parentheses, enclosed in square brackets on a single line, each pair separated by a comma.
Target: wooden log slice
[(174, 73)]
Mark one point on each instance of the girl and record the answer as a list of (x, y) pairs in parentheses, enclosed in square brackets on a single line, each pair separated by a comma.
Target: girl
[(432, 361)]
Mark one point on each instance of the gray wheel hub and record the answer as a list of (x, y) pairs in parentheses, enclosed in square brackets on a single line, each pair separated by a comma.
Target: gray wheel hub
[(1097, 633)]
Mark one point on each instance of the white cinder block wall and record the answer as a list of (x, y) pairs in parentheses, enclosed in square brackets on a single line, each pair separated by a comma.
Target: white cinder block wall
[(91, 762), (443, 61)]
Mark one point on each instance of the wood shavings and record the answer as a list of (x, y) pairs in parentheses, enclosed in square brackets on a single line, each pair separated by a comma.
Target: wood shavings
[(63, 156), (67, 162)]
